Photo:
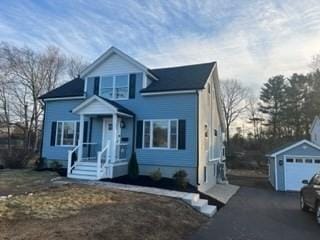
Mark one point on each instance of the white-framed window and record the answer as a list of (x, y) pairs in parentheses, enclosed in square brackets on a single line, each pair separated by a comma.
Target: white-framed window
[(115, 87), (67, 133), (160, 134)]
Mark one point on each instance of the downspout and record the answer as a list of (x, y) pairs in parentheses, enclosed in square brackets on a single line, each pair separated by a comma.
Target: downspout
[(197, 122)]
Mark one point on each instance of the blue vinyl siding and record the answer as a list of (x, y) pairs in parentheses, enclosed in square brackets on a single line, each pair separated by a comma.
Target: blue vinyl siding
[(300, 150), (180, 106), (56, 111)]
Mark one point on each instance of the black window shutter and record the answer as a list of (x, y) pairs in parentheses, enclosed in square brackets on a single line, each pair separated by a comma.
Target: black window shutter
[(132, 86), (139, 134), (53, 133), (85, 131), (182, 134), (96, 85)]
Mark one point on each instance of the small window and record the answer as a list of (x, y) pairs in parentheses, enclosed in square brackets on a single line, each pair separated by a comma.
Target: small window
[(205, 174), (317, 161), (215, 132), (299, 160), (308, 161), (206, 134), (289, 160)]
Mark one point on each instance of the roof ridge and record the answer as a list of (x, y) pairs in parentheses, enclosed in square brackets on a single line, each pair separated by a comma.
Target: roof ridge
[(181, 66)]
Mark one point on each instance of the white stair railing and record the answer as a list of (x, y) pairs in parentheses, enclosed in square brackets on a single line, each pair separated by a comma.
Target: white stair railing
[(70, 164), (106, 151)]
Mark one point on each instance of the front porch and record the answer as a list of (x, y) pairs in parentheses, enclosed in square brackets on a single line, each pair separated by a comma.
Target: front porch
[(105, 143)]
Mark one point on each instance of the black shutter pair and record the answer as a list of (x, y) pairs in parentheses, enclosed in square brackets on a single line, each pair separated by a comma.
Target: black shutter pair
[(181, 134), (132, 85), (54, 131)]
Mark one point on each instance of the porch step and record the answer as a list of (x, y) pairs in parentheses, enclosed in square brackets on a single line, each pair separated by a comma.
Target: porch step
[(200, 204), (79, 171), (209, 210), (87, 164), (191, 198), (83, 176), (86, 168)]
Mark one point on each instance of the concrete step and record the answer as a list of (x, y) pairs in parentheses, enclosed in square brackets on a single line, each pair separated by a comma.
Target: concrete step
[(199, 204), (191, 198), (208, 210)]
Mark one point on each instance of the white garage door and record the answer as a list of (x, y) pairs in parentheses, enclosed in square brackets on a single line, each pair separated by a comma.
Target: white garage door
[(298, 169)]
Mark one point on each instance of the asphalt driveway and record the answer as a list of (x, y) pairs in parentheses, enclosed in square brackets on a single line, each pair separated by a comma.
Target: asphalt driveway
[(261, 214)]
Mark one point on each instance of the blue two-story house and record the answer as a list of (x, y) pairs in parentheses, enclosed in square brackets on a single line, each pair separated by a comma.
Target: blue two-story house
[(170, 117)]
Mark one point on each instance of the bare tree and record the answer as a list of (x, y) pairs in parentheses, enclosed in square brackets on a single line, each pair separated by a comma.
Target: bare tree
[(254, 115), (35, 73), (315, 62), (75, 65), (234, 103)]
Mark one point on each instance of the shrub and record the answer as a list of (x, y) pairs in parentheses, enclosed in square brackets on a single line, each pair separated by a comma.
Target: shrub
[(156, 175), (17, 159), (133, 167), (180, 178), (55, 165)]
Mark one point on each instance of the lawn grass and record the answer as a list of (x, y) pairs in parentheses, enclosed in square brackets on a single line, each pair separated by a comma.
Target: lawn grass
[(87, 212)]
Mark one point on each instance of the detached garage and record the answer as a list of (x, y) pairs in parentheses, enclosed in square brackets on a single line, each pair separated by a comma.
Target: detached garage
[(291, 164)]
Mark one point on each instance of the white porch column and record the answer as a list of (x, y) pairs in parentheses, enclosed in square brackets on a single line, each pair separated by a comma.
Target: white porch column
[(114, 136), (80, 142)]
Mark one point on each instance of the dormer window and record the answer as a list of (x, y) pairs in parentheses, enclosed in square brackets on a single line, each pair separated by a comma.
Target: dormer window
[(115, 87)]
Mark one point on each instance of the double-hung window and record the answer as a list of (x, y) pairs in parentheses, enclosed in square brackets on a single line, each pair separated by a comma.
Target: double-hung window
[(67, 133), (115, 87), (160, 134)]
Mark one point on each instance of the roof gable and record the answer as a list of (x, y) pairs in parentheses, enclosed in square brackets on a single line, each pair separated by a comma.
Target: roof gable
[(315, 122), (288, 147), (111, 51)]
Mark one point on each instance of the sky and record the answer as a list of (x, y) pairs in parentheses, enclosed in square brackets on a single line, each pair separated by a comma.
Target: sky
[(251, 40)]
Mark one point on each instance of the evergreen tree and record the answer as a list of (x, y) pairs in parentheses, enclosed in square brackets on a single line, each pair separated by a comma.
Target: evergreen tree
[(273, 101)]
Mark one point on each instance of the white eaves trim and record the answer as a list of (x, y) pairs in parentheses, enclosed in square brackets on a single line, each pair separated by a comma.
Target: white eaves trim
[(92, 99), (293, 146), (63, 98), (108, 53), (168, 92)]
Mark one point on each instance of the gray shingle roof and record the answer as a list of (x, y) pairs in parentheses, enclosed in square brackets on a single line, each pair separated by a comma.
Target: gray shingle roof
[(118, 106), (190, 77), (73, 88)]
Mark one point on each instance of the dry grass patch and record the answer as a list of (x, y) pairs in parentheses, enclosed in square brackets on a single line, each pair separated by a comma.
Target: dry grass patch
[(26, 180), (57, 203)]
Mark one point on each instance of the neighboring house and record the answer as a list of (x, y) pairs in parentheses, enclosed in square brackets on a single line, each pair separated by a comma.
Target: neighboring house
[(290, 164), (170, 117), (315, 131)]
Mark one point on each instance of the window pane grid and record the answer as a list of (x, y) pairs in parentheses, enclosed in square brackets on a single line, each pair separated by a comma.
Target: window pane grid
[(160, 134), (115, 87)]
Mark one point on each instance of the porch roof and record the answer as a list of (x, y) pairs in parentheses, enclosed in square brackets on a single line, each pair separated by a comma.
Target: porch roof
[(99, 105)]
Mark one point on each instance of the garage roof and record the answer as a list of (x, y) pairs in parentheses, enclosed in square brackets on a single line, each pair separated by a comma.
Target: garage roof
[(289, 146)]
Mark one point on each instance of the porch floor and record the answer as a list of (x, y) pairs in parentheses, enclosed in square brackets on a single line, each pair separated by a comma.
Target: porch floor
[(222, 192)]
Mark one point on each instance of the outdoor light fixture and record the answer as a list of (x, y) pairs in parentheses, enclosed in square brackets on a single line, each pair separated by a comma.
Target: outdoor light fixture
[(122, 124)]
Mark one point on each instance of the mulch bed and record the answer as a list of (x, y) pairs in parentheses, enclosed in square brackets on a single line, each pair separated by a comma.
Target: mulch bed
[(163, 183)]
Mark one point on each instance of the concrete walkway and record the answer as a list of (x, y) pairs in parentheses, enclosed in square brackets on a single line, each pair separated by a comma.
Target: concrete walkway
[(193, 199), (222, 192)]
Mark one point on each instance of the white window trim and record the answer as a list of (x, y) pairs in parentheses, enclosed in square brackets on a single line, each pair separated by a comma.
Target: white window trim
[(62, 133), (114, 85), (151, 134)]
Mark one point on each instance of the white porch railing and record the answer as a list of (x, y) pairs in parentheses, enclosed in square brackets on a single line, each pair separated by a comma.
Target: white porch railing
[(122, 152), (88, 151), (103, 159)]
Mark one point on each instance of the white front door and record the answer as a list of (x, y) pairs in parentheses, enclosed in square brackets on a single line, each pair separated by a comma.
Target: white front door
[(107, 132)]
